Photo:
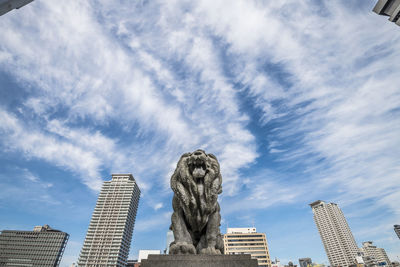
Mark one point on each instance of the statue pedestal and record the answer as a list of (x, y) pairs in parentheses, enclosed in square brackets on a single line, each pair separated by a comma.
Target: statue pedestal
[(243, 260)]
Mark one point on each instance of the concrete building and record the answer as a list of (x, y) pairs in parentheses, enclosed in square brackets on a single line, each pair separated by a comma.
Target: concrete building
[(42, 247), (339, 243), (397, 230), (305, 262), (390, 8), (290, 264), (378, 255), (144, 253), (8, 5), (276, 263), (247, 241), (109, 236), (132, 263), (170, 239)]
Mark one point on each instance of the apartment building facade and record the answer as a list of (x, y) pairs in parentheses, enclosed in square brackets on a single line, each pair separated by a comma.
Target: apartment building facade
[(336, 236), (247, 241), (109, 236), (42, 247)]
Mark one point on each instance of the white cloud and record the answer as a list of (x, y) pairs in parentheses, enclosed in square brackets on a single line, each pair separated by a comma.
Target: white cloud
[(77, 65), (158, 206), (33, 143), (348, 130)]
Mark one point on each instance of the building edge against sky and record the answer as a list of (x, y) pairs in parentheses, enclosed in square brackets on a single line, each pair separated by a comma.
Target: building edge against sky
[(390, 8), (247, 241), (42, 247), (8, 5), (109, 235), (396, 228), (337, 238)]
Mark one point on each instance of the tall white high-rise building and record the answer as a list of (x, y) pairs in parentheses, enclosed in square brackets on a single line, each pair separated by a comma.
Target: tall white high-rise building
[(110, 231), (339, 243)]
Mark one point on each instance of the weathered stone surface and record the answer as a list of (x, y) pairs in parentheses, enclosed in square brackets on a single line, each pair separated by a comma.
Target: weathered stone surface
[(199, 261), (196, 183)]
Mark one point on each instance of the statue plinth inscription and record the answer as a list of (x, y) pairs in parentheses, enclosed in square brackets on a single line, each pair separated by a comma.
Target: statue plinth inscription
[(196, 219)]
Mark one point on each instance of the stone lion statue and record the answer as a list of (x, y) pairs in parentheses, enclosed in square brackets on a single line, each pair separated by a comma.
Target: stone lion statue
[(196, 183)]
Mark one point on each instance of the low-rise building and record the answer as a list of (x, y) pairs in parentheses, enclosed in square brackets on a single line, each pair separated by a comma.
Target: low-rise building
[(305, 262), (132, 263), (290, 264), (375, 255), (247, 241), (276, 263), (42, 247), (144, 253)]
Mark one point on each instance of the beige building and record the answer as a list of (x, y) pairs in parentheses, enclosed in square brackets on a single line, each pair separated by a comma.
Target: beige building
[(109, 236), (339, 243), (247, 241), (377, 254)]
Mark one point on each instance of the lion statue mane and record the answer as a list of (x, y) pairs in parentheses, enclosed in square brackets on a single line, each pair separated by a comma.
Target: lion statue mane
[(196, 218)]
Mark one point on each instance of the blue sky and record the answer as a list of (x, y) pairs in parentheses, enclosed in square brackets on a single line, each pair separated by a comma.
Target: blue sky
[(299, 100)]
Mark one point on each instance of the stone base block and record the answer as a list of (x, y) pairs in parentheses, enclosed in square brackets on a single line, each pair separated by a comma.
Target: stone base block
[(243, 260)]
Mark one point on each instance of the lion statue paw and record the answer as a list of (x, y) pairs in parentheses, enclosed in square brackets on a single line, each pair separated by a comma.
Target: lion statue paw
[(182, 248), (210, 251)]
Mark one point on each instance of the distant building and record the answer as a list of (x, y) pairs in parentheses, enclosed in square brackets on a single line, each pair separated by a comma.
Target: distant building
[(290, 264), (389, 8), (109, 236), (42, 247), (339, 243), (8, 5), (132, 263), (305, 262), (144, 253), (276, 263), (364, 260), (247, 241), (170, 239), (375, 254), (397, 230)]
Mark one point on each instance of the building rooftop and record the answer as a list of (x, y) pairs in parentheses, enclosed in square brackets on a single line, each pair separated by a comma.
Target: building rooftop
[(120, 175), (247, 230), (37, 229)]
